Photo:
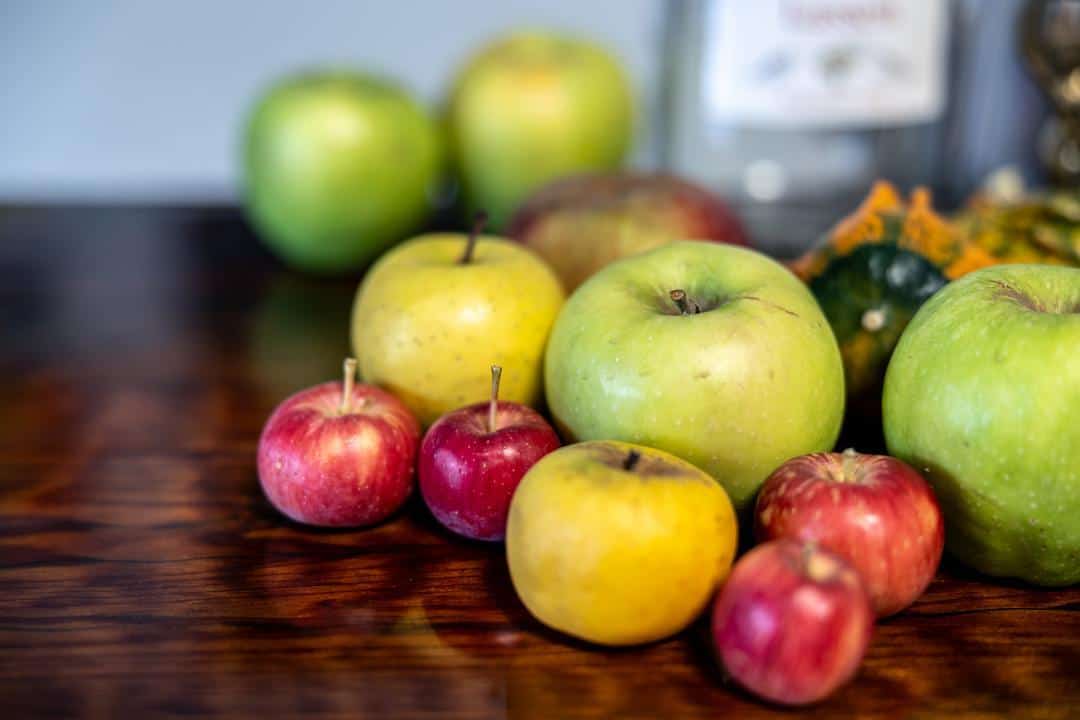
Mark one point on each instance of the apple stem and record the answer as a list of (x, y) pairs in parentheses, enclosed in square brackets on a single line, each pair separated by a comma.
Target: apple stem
[(631, 460), (470, 245), (350, 382), (849, 455), (686, 305), (493, 406)]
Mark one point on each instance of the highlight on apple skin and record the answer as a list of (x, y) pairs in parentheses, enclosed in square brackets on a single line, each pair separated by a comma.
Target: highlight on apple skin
[(339, 454), (875, 511), (792, 622)]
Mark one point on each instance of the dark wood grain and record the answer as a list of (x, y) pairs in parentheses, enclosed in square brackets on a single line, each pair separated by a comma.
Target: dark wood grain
[(142, 574)]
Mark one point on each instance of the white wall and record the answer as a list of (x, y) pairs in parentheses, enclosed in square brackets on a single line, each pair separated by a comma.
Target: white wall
[(129, 100)]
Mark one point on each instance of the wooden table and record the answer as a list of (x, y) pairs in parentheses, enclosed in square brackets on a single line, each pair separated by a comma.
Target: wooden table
[(142, 573)]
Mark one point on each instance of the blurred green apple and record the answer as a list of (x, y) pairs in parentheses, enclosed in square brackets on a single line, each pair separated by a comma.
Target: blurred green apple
[(530, 108), (338, 166)]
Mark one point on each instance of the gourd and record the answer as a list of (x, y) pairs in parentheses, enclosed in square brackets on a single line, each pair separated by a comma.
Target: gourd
[(873, 271), (869, 297), (1041, 228)]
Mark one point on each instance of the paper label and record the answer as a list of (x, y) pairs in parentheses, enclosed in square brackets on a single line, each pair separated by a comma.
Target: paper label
[(825, 63)]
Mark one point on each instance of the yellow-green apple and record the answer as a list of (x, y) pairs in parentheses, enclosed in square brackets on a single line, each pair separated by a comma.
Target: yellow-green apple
[(875, 511), (618, 544), (713, 352), (338, 454), (337, 167), (582, 223), (983, 394), (472, 459), (531, 107), (434, 313), (792, 622)]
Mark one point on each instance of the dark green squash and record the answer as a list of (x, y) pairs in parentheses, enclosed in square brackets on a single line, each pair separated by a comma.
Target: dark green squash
[(869, 296), (872, 271)]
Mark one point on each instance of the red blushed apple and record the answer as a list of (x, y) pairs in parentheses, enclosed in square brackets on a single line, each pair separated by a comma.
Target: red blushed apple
[(339, 454), (579, 224), (875, 511), (472, 459), (792, 622)]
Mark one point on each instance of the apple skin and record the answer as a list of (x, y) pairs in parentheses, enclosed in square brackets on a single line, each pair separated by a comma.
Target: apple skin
[(792, 622), (319, 466), (618, 556), (738, 389), (580, 224), (874, 511), (531, 107), (337, 167), (468, 473), (983, 392), (426, 327)]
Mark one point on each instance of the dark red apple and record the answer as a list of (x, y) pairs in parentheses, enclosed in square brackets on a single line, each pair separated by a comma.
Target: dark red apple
[(582, 223), (472, 459), (339, 454), (792, 622), (875, 511)]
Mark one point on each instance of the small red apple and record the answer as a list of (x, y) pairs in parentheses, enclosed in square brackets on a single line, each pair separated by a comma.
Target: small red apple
[(792, 622), (581, 223), (339, 454), (472, 459), (874, 511)]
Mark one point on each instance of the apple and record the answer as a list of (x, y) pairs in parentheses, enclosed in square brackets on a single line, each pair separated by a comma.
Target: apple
[(472, 459), (712, 352), (582, 223), (876, 512), (792, 623), (435, 311), (983, 393), (618, 544), (337, 167), (529, 108), (338, 454)]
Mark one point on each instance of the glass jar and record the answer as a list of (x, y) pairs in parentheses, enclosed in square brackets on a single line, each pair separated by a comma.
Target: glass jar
[(792, 108)]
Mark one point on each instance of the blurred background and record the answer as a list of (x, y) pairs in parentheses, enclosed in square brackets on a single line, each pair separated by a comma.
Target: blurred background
[(120, 101), (203, 126), (129, 101)]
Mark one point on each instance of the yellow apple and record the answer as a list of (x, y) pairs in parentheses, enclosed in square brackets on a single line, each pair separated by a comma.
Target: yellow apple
[(618, 544), (436, 312)]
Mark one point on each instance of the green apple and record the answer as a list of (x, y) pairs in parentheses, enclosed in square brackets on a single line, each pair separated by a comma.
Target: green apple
[(983, 393), (529, 108), (435, 313), (712, 352), (337, 167)]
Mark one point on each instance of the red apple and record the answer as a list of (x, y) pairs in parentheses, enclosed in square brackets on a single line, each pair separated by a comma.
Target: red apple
[(582, 223), (472, 459), (875, 511), (339, 454), (792, 622)]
